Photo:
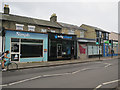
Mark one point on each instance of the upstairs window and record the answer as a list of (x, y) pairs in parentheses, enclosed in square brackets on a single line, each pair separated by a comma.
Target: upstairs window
[(107, 36), (100, 34), (97, 33), (31, 28), (53, 31), (19, 26), (43, 30), (82, 34), (71, 32)]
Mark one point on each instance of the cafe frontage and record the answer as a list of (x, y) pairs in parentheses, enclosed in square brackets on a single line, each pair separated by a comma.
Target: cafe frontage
[(26, 46)]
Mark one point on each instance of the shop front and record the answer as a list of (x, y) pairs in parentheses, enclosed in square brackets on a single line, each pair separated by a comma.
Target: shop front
[(26, 46), (62, 46), (107, 49)]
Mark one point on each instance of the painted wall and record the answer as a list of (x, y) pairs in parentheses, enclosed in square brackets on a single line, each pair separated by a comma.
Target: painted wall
[(0, 44), (27, 35)]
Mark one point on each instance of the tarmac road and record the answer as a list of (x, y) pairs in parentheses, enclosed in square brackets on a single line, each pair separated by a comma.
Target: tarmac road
[(94, 75)]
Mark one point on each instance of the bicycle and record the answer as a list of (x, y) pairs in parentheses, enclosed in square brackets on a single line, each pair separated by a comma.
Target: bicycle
[(9, 65)]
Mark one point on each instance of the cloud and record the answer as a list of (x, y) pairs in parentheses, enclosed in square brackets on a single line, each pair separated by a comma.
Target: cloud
[(100, 14)]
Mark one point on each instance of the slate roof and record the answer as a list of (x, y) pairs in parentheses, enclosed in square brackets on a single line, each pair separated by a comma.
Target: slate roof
[(70, 26), (96, 28), (29, 20)]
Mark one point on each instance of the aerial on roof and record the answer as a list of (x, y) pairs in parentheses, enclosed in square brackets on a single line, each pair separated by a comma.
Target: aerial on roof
[(70, 26), (96, 28), (22, 19)]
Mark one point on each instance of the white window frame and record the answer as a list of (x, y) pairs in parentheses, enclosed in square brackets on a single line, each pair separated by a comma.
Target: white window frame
[(82, 34), (43, 30), (107, 36), (53, 31), (31, 28), (19, 26), (71, 32)]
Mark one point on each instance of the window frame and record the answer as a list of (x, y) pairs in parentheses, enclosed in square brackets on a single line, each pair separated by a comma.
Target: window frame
[(20, 48), (82, 34), (72, 32), (31, 26), (19, 25)]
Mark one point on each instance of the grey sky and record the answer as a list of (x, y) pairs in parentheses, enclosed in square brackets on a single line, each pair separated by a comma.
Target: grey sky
[(99, 14)]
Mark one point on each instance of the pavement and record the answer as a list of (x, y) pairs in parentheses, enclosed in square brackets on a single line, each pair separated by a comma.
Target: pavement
[(25, 65)]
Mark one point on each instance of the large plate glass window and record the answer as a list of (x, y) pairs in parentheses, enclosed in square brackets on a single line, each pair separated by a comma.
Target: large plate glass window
[(31, 48)]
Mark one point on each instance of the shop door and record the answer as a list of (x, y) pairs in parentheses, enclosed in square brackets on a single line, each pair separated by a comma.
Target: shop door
[(59, 50), (15, 49)]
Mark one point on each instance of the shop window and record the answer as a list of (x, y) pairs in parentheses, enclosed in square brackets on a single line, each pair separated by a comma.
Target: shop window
[(31, 28), (31, 48), (19, 26), (15, 57), (82, 34)]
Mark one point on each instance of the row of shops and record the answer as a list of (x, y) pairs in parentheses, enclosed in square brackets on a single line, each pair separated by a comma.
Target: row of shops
[(31, 46)]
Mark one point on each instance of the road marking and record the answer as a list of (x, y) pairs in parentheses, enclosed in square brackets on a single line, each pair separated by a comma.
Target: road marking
[(98, 87), (106, 83), (111, 82), (80, 70), (25, 80), (108, 65), (3, 85)]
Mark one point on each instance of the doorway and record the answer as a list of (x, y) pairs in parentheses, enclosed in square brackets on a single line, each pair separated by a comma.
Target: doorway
[(59, 50)]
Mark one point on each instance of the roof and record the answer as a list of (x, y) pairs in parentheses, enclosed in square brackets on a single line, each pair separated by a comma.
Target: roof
[(96, 28), (70, 26), (29, 20)]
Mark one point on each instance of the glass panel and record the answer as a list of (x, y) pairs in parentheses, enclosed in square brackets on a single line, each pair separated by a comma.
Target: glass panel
[(31, 50), (14, 40), (31, 41), (14, 47), (14, 57)]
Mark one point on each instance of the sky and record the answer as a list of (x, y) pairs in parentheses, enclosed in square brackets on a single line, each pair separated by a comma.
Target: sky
[(99, 13)]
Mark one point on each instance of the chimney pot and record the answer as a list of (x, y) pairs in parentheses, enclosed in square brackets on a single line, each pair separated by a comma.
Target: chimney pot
[(6, 9), (53, 18)]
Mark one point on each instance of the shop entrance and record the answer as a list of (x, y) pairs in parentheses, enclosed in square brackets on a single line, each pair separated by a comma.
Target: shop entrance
[(59, 50)]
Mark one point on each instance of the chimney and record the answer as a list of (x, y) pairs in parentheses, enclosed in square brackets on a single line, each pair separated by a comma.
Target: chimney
[(6, 9), (53, 18)]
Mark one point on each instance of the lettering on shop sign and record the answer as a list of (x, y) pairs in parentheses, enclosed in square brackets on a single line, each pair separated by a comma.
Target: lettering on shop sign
[(22, 34), (63, 37)]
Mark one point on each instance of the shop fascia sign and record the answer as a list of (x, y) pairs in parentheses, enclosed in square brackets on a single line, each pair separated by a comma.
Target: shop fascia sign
[(22, 34), (63, 37)]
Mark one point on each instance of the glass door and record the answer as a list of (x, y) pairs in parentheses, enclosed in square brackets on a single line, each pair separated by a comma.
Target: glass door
[(59, 50), (15, 49)]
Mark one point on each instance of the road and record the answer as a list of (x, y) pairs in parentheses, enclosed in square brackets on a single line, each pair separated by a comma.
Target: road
[(94, 75)]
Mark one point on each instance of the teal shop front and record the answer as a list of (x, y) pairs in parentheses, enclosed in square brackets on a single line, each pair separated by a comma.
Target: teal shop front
[(26, 46)]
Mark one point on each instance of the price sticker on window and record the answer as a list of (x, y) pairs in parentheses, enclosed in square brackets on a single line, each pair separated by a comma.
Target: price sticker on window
[(45, 50)]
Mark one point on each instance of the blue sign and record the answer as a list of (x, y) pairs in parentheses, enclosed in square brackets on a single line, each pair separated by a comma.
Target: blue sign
[(63, 37)]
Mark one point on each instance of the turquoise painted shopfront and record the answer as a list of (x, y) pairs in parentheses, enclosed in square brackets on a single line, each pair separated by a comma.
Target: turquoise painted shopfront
[(26, 46)]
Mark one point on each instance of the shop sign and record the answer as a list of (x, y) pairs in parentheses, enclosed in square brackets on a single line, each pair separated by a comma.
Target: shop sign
[(63, 37), (22, 34)]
